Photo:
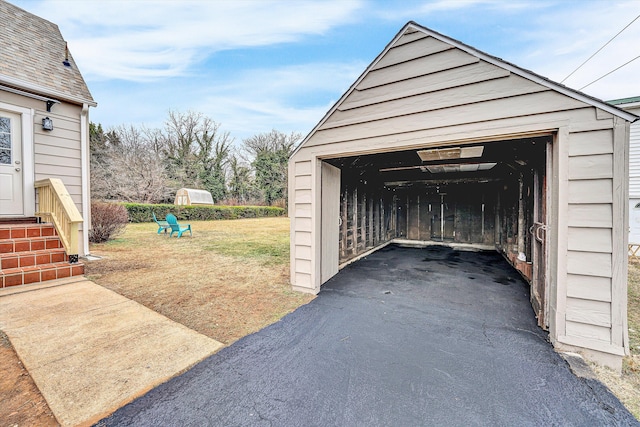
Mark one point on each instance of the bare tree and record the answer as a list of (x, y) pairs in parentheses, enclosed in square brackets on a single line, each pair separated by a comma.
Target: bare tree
[(139, 172), (240, 181), (271, 153), (197, 152), (128, 168)]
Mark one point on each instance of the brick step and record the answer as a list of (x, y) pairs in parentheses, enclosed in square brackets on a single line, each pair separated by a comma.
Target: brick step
[(19, 220), (29, 245), (23, 231), (29, 258), (39, 273)]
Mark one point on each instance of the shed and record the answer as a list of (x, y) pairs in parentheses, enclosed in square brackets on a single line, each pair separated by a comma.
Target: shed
[(632, 105), (438, 142), (191, 196)]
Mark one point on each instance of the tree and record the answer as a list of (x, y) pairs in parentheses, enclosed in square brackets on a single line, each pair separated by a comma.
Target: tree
[(212, 158), (139, 174), (271, 153), (240, 185), (124, 166), (196, 152)]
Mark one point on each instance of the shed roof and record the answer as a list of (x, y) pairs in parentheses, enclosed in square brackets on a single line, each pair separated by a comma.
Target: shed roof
[(197, 196), (624, 101), (32, 55), (412, 27)]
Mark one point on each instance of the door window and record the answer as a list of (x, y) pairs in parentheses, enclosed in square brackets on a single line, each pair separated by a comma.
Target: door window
[(5, 141)]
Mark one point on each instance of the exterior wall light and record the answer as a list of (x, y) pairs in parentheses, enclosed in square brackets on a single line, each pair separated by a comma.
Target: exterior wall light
[(47, 124)]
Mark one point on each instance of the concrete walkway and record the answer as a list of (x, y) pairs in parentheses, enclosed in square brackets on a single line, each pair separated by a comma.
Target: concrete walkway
[(405, 337), (91, 350)]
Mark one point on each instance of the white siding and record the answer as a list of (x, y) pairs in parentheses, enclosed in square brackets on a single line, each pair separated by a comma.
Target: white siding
[(634, 160), (634, 178)]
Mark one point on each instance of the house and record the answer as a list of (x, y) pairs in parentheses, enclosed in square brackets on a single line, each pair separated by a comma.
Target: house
[(44, 137), (438, 142), (632, 105)]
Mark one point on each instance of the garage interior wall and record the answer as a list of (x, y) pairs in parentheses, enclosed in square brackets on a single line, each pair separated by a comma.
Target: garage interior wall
[(553, 165)]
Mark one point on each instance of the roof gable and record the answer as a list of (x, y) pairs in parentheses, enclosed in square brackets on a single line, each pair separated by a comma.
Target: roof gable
[(32, 57), (416, 45)]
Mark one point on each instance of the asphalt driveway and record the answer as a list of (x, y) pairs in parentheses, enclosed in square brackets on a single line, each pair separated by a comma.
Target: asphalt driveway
[(405, 337)]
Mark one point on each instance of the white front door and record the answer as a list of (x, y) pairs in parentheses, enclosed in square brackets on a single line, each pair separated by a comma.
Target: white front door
[(11, 165)]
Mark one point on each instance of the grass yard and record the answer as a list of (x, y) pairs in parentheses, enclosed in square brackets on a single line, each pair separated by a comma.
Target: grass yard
[(627, 386), (229, 280)]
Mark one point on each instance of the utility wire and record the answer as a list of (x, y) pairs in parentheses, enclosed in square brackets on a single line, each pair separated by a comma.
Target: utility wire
[(600, 78), (597, 51)]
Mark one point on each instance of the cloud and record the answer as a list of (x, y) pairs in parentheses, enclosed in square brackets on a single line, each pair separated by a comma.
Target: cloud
[(425, 10), (557, 43), (284, 98), (146, 40), (251, 101)]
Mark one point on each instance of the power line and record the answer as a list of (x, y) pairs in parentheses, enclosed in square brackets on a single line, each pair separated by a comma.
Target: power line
[(603, 46), (600, 78)]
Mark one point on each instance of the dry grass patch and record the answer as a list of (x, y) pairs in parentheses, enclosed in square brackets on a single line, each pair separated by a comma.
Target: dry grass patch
[(229, 280), (627, 386)]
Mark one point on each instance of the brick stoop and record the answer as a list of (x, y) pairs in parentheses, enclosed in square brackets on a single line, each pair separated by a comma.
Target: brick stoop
[(31, 253)]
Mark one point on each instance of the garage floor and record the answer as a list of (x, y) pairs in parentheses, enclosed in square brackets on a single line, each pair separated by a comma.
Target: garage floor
[(431, 336)]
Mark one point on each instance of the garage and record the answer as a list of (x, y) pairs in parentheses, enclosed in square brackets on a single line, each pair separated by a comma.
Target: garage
[(439, 143)]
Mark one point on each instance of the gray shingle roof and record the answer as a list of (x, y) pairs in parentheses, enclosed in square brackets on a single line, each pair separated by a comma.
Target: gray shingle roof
[(32, 54)]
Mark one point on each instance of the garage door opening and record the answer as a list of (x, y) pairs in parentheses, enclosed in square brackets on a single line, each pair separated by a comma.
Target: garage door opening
[(490, 195)]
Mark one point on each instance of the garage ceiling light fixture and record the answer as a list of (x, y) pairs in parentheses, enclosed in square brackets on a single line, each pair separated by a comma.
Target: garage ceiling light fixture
[(450, 153), (470, 167)]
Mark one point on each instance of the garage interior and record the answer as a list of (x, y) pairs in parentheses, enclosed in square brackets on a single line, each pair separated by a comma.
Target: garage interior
[(489, 195)]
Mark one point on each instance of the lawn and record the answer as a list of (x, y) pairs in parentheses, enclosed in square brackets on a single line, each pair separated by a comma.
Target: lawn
[(229, 280), (627, 386)]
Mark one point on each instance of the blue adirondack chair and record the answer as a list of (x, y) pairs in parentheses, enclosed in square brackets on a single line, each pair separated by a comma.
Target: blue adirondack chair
[(177, 228), (162, 225)]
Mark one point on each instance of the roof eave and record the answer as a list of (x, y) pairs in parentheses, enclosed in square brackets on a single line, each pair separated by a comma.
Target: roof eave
[(351, 88), (580, 96), (42, 90)]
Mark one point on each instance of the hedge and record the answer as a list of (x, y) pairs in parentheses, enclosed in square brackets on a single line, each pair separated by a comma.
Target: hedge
[(143, 213)]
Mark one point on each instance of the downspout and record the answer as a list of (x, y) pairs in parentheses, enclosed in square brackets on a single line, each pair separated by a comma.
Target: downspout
[(84, 153)]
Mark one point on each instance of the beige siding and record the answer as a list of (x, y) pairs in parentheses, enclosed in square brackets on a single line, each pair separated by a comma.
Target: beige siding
[(462, 76), (423, 93), (589, 287), (591, 191), (592, 239), (418, 67), (588, 331), (302, 207), (411, 51), (57, 153), (596, 313), (479, 92), (524, 105), (590, 234)]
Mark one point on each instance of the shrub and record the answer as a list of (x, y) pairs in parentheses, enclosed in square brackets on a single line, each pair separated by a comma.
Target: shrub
[(107, 220), (143, 212)]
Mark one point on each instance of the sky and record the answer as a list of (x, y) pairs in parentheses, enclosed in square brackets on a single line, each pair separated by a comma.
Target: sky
[(257, 65)]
